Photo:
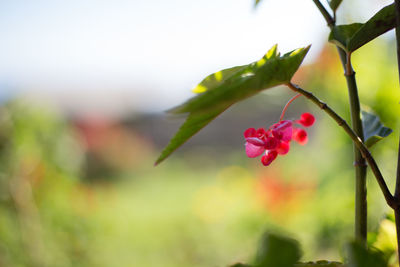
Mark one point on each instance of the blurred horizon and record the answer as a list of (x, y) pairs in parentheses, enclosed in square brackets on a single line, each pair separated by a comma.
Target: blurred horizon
[(123, 56), (117, 57)]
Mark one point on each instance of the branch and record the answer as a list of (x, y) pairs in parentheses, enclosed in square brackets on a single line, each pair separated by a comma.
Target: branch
[(329, 19), (360, 165), (356, 140), (397, 188), (397, 5)]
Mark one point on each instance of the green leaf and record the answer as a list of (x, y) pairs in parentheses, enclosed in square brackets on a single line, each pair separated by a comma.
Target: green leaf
[(352, 36), (214, 80), (341, 35), (220, 91), (194, 123), (276, 250), (334, 4), (320, 263), (359, 256), (374, 130), (380, 23)]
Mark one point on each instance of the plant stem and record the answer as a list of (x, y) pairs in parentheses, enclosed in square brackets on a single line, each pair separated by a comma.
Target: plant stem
[(287, 105), (397, 189), (356, 140), (359, 162), (397, 220), (329, 19)]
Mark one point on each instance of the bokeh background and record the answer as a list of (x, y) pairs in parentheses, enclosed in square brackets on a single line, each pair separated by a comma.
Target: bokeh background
[(83, 87)]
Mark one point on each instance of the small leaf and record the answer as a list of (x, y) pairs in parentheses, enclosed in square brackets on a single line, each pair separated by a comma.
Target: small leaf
[(320, 263), (256, 2), (277, 251), (374, 131), (359, 256), (352, 36), (232, 85), (380, 23), (334, 4), (341, 35), (240, 265)]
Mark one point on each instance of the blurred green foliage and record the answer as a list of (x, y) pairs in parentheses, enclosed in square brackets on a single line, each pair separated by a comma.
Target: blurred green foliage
[(196, 209)]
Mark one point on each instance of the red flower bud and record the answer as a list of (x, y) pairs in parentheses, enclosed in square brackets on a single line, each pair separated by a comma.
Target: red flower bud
[(306, 119), (300, 136)]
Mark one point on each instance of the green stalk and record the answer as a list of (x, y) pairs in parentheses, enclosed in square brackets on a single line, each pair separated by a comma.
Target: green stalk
[(397, 220), (360, 165), (328, 18), (359, 161), (397, 189)]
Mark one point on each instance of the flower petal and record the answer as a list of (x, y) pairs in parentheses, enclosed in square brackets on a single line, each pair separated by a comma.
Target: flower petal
[(287, 133), (253, 151), (251, 132), (283, 130), (255, 141), (268, 158), (271, 143), (283, 148), (260, 133)]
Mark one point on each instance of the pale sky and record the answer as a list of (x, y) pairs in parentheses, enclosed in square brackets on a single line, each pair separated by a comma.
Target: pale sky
[(140, 55)]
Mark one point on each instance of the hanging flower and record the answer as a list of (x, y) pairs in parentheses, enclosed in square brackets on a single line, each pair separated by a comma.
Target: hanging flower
[(276, 139)]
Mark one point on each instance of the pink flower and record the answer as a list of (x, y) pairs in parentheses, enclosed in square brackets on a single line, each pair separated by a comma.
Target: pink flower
[(276, 139)]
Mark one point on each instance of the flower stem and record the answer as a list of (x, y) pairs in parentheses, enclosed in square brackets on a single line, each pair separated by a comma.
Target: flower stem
[(287, 105)]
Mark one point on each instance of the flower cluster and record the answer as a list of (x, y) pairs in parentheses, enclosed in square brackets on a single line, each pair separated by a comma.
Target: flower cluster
[(276, 139)]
